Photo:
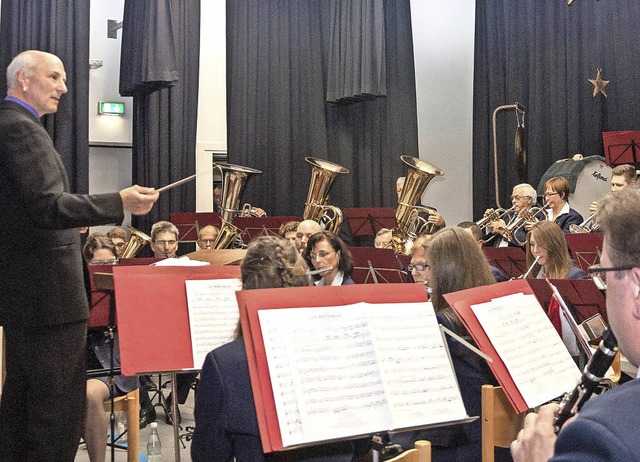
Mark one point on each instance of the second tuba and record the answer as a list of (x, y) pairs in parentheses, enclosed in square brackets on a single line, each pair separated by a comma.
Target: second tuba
[(409, 223), (136, 242), (315, 208), (234, 179)]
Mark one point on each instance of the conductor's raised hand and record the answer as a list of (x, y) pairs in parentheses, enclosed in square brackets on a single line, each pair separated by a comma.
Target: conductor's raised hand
[(138, 200)]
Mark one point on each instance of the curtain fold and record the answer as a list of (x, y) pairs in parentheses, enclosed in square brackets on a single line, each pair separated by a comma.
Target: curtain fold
[(541, 53), (165, 119), (60, 27), (277, 73)]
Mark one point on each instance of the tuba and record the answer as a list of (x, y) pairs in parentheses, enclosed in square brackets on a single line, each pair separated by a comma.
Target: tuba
[(315, 208), (234, 179), (136, 242), (409, 223)]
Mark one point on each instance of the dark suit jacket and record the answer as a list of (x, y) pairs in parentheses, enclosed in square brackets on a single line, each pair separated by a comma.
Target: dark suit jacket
[(568, 219), (41, 278), (225, 413), (606, 428)]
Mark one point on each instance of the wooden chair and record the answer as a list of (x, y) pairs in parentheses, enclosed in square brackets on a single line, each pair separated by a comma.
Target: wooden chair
[(129, 403), (500, 422), (420, 453)]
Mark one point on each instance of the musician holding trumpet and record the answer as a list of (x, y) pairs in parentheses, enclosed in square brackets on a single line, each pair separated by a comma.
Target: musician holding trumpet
[(622, 176), (607, 427)]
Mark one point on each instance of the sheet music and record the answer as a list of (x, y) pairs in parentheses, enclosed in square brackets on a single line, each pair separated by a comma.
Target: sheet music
[(331, 384), (213, 314), (529, 346)]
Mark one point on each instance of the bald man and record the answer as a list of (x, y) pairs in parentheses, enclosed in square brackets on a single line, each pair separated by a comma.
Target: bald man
[(306, 229)]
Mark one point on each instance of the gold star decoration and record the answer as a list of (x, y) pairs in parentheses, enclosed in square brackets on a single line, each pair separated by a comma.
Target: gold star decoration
[(599, 84)]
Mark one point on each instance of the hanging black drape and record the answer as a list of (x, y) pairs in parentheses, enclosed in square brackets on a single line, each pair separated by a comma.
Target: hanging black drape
[(159, 68), (60, 27), (541, 53), (277, 65)]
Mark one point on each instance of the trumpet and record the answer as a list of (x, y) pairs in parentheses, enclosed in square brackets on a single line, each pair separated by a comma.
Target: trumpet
[(587, 226), (493, 215)]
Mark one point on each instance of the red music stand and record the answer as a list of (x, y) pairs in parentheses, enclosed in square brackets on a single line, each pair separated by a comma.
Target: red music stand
[(188, 223), (621, 147), (368, 221), (99, 308), (580, 294), (510, 260), (254, 227), (585, 249), (375, 266)]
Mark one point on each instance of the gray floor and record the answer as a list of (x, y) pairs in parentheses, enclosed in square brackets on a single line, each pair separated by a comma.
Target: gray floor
[(166, 437)]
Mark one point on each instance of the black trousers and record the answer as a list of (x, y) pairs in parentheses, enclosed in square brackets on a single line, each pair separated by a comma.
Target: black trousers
[(43, 401)]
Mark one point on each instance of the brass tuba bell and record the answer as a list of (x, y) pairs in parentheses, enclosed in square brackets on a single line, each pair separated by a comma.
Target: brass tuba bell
[(409, 223), (315, 208), (234, 179), (136, 242)]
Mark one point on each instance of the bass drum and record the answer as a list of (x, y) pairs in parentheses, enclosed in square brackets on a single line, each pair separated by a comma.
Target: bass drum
[(590, 179)]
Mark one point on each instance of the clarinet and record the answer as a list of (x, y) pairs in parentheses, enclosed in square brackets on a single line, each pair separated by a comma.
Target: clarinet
[(593, 373)]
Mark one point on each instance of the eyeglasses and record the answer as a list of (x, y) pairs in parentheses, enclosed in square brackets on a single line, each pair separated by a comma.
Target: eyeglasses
[(166, 243), (321, 254), (517, 198), (104, 262), (206, 241), (601, 272), (550, 194), (418, 266), (120, 245)]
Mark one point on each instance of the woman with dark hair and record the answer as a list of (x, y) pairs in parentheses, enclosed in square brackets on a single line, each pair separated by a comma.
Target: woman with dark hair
[(225, 414), (456, 263), (326, 250), (556, 197), (546, 242)]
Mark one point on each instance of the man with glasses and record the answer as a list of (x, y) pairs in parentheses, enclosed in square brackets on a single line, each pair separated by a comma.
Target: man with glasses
[(523, 197), (608, 426), (119, 238), (164, 239), (207, 236)]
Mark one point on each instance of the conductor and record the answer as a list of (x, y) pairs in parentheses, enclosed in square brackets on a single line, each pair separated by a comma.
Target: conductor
[(43, 307)]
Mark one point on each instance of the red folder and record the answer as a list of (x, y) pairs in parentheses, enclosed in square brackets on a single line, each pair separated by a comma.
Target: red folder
[(252, 301), (153, 321)]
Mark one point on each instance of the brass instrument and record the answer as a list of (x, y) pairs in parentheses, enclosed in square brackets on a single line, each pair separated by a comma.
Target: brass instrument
[(524, 217), (409, 223), (491, 217), (323, 173), (587, 226), (234, 179), (136, 242)]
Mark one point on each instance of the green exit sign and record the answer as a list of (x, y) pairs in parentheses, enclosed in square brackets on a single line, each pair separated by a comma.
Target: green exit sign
[(110, 107)]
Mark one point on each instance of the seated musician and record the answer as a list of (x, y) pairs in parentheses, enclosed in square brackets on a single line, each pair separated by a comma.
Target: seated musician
[(326, 250), (305, 230), (119, 238), (456, 263), (473, 229), (622, 176), (546, 241), (523, 197), (207, 237), (556, 198), (217, 203), (289, 231), (225, 414), (434, 217), (100, 250), (383, 239), (418, 267), (164, 239)]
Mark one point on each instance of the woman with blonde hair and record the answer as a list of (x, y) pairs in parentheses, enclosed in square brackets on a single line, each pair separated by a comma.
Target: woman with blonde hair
[(546, 242)]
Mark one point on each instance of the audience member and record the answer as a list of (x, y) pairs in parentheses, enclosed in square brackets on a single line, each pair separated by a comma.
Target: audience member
[(226, 423), (119, 238), (164, 239), (607, 426), (327, 251), (556, 197), (207, 236), (547, 242), (288, 230)]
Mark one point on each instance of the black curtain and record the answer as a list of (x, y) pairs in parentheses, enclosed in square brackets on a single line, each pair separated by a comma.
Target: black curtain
[(60, 27), (160, 69), (541, 53), (277, 65)]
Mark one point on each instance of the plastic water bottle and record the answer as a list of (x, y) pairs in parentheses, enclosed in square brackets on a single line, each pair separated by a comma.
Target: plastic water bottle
[(154, 448)]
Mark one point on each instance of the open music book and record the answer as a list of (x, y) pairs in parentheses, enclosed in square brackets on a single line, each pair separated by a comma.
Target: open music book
[(343, 371)]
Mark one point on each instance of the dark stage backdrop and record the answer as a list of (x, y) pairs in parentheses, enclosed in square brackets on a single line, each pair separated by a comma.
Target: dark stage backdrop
[(60, 27), (541, 53), (280, 57)]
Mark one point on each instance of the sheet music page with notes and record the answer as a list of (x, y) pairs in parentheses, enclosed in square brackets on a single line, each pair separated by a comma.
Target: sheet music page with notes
[(213, 314), (529, 346), (351, 370)]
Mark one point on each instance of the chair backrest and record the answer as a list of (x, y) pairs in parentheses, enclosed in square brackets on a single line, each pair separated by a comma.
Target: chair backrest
[(420, 453), (130, 404), (500, 422)]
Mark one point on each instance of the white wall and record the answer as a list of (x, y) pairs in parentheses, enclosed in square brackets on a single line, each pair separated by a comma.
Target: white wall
[(443, 53)]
